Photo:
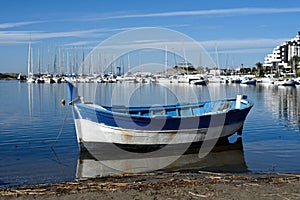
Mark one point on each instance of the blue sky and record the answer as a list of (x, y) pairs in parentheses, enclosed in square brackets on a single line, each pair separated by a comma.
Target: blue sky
[(243, 32)]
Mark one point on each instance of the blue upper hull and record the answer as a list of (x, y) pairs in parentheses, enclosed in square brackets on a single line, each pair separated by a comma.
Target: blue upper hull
[(162, 118), (168, 118)]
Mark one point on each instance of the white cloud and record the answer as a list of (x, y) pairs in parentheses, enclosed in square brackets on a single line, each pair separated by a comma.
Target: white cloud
[(17, 37), (82, 43), (232, 45), (21, 37), (243, 43), (255, 45), (212, 12), (244, 51), (17, 24)]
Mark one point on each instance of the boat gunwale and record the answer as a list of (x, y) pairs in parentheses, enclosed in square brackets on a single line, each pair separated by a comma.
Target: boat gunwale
[(114, 111)]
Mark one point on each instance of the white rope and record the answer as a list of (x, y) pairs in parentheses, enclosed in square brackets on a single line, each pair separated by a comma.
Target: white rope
[(62, 126)]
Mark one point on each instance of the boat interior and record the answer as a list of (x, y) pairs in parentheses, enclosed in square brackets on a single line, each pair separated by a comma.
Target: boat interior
[(176, 110)]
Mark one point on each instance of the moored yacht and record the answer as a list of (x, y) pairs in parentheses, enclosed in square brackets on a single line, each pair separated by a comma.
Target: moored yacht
[(285, 82), (297, 81), (267, 80), (248, 80)]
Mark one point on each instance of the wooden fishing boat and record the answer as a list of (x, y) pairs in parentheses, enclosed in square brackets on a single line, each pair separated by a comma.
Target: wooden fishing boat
[(146, 127)]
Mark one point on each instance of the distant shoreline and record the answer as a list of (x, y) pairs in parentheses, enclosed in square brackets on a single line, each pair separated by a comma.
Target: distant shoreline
[(8, 76)]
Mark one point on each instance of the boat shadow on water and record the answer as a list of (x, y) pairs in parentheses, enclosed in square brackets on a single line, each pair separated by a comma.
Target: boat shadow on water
[(224, 157)]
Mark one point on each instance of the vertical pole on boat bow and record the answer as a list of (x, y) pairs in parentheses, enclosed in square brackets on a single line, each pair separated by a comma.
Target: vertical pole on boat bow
[(238, 101)]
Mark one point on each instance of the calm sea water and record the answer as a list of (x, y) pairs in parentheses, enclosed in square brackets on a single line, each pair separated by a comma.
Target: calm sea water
[(31, 117)]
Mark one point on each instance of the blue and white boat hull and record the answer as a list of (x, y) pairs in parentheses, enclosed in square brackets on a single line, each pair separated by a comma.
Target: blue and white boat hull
[(145, 127), (90, 133)]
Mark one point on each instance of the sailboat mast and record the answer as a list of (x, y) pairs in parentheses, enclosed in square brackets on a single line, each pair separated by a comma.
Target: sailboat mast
[(39, 61), (76, 61), (55, 62), (100, 64), (73, 61), (185, 62), (128, 62), (62, 60), (49, 58), (82, 70), (166, 58), (68, 66), (29, 60), (91, 71), (217, 57)]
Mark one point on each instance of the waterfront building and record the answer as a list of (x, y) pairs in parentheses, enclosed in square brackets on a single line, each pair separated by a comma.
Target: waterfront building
[(281, 55)]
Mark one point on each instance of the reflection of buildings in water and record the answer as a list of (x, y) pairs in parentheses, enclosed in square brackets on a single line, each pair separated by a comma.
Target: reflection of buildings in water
[(283, 102), (225, 156)]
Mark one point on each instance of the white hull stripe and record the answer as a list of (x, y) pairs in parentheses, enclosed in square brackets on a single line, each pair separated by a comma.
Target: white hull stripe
[(88, 131)]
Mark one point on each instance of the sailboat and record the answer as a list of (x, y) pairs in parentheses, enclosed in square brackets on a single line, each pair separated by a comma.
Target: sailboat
[(40, 79), (30, 77)]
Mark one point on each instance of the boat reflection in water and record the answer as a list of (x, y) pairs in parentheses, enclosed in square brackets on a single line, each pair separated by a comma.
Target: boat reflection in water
[(224, 157)]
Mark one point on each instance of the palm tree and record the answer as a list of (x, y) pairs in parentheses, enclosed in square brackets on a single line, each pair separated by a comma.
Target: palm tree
[(259, 67), (294, 62)]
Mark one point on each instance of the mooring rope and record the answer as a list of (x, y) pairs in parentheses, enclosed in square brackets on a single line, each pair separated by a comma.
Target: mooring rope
[(62, 126)]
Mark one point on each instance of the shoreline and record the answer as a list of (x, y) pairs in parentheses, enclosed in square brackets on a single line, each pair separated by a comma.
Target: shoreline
[(8, 76), (161, 185)]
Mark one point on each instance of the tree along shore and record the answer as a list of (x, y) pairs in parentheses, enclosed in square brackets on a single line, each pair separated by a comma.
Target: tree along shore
[(8, 76)]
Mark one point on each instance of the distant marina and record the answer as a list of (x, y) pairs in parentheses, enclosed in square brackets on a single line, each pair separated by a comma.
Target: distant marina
[(280, 68), (213, 76)]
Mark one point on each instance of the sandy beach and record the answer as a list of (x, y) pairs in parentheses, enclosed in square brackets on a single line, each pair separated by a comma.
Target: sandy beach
[(175, 185)]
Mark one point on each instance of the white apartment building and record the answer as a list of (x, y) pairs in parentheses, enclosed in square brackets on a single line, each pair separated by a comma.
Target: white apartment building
[(283, 53)]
